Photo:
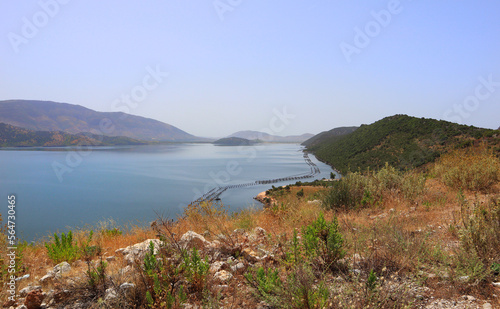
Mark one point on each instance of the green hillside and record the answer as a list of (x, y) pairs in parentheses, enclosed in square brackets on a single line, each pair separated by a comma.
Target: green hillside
[(331, 135), (401, 140), (11, 136)]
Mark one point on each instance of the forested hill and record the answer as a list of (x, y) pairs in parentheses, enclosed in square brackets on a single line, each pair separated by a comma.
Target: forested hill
[(11, 136), (400, 140), (331, 135)]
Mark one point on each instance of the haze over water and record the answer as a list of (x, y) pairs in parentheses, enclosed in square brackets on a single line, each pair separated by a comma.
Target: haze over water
[(134, 184)]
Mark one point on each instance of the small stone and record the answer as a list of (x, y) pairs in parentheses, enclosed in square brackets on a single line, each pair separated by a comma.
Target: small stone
[(62, 268), (23, 277), (47, 278), (216, 266), (34, 299), (223, 276), (464, 278), (238, 267), (487, 306), (22, 307), (28, 289), (110, 258), (110, 294), (260, 232), (496, 284), (250, 255)]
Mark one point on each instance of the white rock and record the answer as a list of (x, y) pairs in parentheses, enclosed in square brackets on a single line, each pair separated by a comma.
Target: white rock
[(62, 268), (110, 294), (496, 284), (193, 240), (127, 285), (216, 266), (23, 277), (237, 267), (28, 289), (48, 277), (110, 258), (260, 232), (223, 276), (138, 251), (487, 306)]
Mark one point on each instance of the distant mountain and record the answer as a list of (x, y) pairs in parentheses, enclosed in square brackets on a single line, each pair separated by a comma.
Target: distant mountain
[(233, 141), (73, 119), (400, 140), (11, 136), (265, 137), (328, 135)]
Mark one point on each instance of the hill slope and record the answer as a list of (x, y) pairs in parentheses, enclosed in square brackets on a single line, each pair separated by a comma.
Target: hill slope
[(11, 136), (52, 116), (256, 135), (400, 140), (328, 135)]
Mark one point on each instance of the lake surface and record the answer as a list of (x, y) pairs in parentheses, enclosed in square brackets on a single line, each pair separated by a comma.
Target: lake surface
[(58, 188)]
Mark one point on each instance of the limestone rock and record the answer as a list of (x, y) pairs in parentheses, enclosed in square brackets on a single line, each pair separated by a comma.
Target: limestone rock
[(138, 251), (28, 289), (222, 276), (250, 255), (260, 232), (193, 240), (62, 268)]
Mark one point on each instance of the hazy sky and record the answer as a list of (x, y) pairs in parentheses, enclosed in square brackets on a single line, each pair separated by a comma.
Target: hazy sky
[(215, 67)]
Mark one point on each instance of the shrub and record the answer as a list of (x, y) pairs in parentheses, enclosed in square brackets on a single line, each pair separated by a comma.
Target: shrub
[(162, 281), (111, 232), (298, 290), (479, 237), (469, 169), (63, 249), (323, 239), (196, 270)]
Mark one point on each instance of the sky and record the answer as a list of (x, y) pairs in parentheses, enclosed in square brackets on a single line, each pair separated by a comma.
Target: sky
[(215, 67)]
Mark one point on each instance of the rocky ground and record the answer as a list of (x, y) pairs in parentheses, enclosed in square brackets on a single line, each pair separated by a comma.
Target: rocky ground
[(56, 288)]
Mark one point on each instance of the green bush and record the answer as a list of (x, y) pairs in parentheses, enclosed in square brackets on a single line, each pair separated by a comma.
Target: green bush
[(63, 248), (196, 270), (479, 238), (300, 289), (369, 188), (323, 239), (163, 290)]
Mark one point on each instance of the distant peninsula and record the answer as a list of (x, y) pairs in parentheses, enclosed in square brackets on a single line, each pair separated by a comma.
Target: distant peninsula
[(234, 141)]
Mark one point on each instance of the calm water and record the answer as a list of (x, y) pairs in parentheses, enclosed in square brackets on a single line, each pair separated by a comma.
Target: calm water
[(61, 188)]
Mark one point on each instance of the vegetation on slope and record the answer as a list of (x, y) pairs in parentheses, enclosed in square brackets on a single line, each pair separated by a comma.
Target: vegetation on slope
[(402, 141), (331, 135), (73, 119), (11, 136)]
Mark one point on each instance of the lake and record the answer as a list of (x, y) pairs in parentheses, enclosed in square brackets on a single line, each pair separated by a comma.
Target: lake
[(61, 188)]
